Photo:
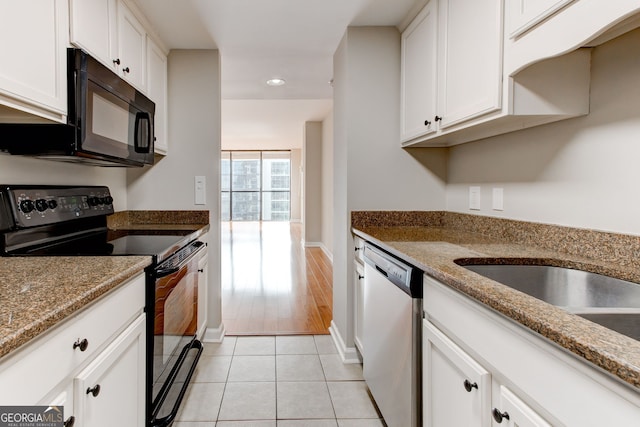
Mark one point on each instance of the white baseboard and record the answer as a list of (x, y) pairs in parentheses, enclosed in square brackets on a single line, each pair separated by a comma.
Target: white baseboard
[(214, 334), (347, 354), (321, 246)]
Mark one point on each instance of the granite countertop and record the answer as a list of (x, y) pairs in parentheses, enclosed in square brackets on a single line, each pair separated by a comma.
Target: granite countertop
[(36, 293), (435, 245)]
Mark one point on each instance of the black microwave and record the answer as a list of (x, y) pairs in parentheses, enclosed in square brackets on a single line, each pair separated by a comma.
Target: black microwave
[(109, 122)]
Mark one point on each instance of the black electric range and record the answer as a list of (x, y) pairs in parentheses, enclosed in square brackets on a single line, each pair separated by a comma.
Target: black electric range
[(72, 221)]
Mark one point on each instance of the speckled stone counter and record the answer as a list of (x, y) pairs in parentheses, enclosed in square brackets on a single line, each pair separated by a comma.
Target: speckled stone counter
[(441, 238), (160, 221), (36, 293)]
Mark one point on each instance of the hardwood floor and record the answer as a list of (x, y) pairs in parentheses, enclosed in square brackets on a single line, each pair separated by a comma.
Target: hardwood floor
[(271, 284)]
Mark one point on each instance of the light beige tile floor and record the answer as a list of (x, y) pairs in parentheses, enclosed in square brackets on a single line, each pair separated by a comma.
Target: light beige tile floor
[(283, 381)]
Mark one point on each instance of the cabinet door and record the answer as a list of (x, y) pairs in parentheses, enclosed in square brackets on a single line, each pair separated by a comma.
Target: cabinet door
[(470, 59), (33, 72), (62, 399), (111, 389), (132, 39), (510, 411), (93, 28), (358, 312), (157, 90), (418, 78), (524, 14), (456, 389)]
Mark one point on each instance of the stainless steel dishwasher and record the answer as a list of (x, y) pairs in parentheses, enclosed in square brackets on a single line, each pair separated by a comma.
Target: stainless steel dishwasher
[(392, 338)]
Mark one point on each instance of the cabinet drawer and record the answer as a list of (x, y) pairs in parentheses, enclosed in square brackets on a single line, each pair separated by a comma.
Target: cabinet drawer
[(32, 371)]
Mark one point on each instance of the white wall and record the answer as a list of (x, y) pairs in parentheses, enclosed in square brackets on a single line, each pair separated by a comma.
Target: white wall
[(371, 172), (327, 185), (26, 170), (194, 149), (581, 172), (312, 150)]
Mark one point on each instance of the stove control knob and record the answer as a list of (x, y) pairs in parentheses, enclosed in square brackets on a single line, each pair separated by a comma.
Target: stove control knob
[(26, 206), (52, 204), (93, 201), (108, 200), (41, 205)]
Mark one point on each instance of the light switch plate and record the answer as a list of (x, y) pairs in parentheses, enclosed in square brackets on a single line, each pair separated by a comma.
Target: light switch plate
[(474, 198), (200, 190)]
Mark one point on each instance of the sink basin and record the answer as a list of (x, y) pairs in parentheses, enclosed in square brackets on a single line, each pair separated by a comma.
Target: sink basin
[(563, 287), (610, 302), (625, 323)]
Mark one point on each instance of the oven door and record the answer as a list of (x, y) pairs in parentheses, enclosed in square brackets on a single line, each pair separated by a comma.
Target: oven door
[(116, 128), (173, 349)]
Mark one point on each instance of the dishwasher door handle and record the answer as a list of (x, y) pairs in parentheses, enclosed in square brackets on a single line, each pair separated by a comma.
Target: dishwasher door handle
[(381, 271)]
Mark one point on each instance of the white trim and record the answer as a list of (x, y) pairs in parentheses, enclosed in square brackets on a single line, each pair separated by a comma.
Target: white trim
[(214, 334), (347, 354), (320, 245)]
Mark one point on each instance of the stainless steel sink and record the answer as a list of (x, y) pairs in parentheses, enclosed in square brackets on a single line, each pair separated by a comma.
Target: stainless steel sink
[(625, 323), (610, 302), (564, 287)]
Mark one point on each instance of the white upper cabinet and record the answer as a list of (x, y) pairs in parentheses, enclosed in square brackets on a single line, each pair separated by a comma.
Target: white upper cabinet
[(470, 59), (93, 24), (479, 94), (524, 14), (451, 68), (419, 90), (132, 51), (157, 91), (541, 29), (33, 51), (110, 32), (451, 65)]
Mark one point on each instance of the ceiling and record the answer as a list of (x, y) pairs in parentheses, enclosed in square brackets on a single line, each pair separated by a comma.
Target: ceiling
[(261, 39)]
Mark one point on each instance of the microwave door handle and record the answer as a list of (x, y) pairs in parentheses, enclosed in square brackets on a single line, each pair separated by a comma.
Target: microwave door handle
[(136, 138)]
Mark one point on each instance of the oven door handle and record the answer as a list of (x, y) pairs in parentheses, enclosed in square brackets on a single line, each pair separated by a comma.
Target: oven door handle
[(163, 272)]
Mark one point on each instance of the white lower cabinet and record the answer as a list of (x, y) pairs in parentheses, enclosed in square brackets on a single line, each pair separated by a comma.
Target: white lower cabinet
[(358, 312), (511, 411), (482, 369), (92, 364), (457, 391), (100, 399)]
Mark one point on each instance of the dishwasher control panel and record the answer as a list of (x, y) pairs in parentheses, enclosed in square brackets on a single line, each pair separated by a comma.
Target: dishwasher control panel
[(402, 275)]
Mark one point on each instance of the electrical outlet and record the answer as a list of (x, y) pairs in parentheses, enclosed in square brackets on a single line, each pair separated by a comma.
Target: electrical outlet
[(497, 201), (474, 198)]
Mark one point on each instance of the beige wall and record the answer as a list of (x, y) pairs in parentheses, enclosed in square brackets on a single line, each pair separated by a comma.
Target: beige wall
[(194, 138), (312, 218), (581, 172), (327, 185), (371, 171)]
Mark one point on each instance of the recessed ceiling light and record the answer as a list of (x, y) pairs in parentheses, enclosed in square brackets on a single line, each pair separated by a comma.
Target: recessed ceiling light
[(275, 82)]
